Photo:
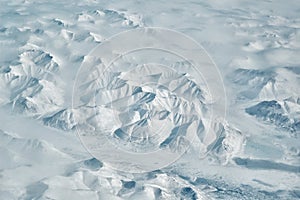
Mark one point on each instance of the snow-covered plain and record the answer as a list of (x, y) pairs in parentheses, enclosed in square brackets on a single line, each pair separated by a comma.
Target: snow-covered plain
[(256, 152)]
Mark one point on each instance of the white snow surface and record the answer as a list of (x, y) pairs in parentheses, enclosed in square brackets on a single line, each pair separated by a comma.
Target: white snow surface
[(255, 153)]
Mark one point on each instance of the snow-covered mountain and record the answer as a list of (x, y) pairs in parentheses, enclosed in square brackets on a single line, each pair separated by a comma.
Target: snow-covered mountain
[(252, 154)]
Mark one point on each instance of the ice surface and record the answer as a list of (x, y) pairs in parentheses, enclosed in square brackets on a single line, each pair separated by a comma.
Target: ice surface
[(255, 153)]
